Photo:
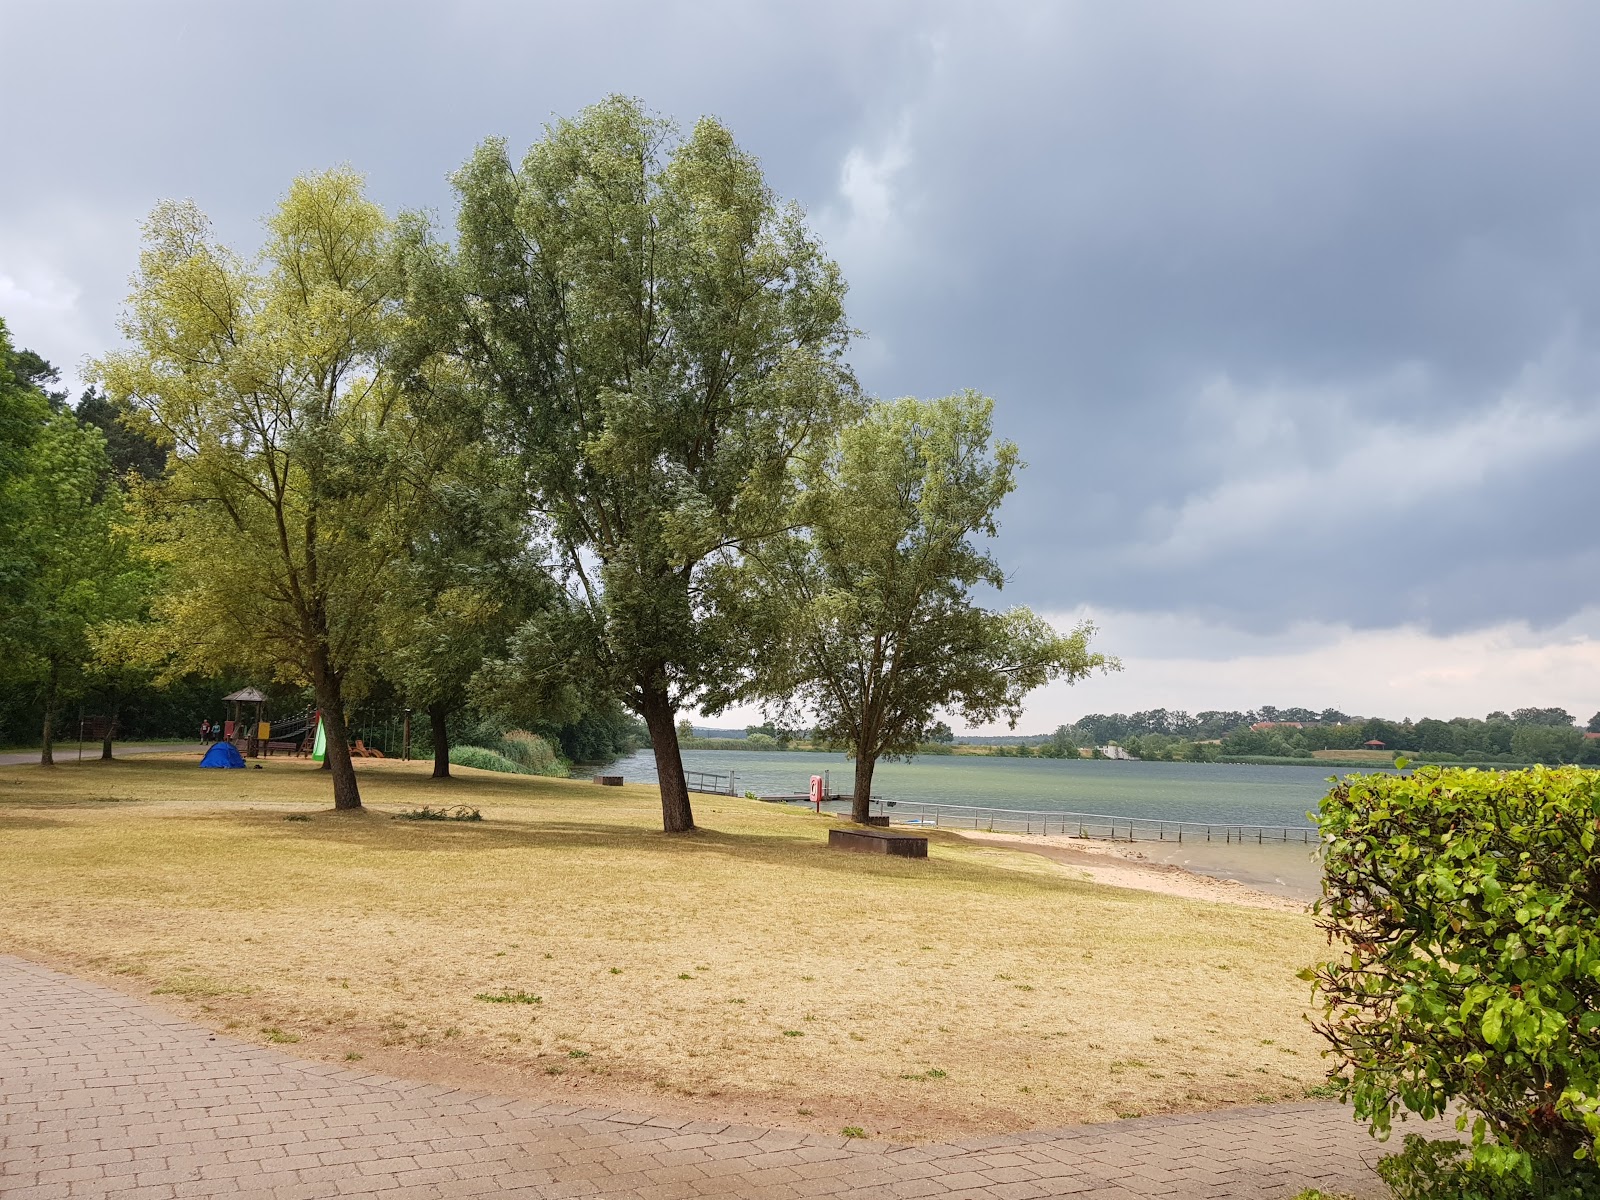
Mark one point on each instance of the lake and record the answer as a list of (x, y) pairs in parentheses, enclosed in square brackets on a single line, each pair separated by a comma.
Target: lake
[(1216, 792), (1212, 792)]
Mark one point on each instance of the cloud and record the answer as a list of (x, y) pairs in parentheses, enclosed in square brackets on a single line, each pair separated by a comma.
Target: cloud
[(1191, 664), (1295, 313), (1289, 454)]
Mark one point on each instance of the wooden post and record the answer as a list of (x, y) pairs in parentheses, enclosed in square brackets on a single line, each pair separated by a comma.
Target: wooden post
[(405, 738)]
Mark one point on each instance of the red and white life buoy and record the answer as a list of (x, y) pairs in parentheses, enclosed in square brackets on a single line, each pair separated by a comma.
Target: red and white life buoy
[(816, 791)]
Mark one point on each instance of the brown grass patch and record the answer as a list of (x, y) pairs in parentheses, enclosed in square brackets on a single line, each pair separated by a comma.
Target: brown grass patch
[(744, 969)]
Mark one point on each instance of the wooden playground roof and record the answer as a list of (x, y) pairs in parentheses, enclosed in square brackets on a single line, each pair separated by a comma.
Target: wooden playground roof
[(247, 695)]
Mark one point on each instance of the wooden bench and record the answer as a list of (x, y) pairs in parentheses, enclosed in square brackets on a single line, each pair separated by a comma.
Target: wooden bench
[(878, 841), (271, 748)]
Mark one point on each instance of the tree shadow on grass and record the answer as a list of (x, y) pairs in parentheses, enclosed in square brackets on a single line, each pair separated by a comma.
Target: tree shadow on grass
[(651, 848)]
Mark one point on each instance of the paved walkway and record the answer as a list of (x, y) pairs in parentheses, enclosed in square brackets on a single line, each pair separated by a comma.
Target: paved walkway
[(102, 1095), (67, 752)]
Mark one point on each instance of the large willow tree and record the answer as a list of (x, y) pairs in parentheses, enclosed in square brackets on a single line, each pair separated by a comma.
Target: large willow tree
[(662, 337), (295, 465)]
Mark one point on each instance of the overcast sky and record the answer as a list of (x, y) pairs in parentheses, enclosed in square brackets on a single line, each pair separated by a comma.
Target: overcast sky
[(1293, 308)]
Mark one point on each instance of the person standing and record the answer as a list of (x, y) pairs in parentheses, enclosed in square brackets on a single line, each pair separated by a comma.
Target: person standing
[(205, 732)]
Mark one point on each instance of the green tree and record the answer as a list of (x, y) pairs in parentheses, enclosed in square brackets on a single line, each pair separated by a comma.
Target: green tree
[(294, 466), (129, 447), (81, 571), (469, 577), (1465, 922), (1063, 744), (1557, 718), (23, 413), (1435, 736), (1547, 743), (662, 338), (867, 611)]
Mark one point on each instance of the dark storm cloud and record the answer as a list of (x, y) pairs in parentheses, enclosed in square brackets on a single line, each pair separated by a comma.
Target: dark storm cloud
[(1293, 308)]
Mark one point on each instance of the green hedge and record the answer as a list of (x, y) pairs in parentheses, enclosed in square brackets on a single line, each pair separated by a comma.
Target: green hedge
[(1463, 907)]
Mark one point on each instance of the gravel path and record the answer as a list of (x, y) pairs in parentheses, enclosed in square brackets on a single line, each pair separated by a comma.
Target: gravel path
[(66, 753)]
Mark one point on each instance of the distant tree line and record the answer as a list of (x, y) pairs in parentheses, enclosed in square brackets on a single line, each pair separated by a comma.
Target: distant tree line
[(1548, 735)]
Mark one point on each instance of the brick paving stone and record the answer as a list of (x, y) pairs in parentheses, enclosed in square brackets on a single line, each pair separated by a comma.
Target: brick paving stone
[(103, 1096)]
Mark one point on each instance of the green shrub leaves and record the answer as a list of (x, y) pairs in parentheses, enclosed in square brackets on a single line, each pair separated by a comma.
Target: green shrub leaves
[(1463, 907)]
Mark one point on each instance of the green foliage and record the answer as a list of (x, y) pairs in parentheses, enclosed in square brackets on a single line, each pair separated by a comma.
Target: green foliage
[(67, 568), (129, 446), (23, 412), (866, 612), (486, 760), (1061, 744), (1465, 916), (296, 458), (661, 338), (1549, 744), (1445, 1170), (533, 752)]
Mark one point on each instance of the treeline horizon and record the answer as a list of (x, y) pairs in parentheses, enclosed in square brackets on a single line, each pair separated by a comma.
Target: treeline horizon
[(1210, 723)]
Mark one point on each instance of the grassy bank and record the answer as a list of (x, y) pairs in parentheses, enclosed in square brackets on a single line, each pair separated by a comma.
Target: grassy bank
[(565, 944)]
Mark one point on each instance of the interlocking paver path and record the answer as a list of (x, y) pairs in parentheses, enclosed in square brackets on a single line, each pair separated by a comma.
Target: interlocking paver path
[(102, 1095)]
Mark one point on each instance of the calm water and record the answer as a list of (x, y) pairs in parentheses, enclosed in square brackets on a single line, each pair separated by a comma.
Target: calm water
[(1220, 792)]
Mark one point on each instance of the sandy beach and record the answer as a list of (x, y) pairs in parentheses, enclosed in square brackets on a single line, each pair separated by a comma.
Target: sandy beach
[(1117, 865)]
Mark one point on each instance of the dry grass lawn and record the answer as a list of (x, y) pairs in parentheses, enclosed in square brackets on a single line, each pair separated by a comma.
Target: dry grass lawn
[(565, 945)]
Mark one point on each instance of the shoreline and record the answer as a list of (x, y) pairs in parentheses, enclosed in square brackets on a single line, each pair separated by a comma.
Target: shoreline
[(1113, 865)]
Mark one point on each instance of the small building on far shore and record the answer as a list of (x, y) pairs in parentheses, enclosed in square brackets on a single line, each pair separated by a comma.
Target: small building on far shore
[(1374, 744)]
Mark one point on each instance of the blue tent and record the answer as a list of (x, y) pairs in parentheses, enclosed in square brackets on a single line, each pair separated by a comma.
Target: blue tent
[(222, 755)]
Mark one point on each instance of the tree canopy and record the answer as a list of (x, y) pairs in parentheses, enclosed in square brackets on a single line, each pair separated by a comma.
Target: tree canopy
[(866, 609), (661, 336), (295, 464)]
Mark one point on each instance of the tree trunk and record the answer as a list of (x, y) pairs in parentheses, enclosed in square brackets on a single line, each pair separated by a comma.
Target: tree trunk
[(861, 799), (47, 757), (676, 815), (105, 744), (336, 743), (441, 741)]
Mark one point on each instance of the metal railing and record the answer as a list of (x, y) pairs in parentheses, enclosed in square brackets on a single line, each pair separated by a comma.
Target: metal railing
[(1087, 825), (711, 782)]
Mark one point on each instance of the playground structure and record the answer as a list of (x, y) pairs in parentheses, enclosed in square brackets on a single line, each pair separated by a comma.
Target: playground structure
[(249, 731), (245, 731)]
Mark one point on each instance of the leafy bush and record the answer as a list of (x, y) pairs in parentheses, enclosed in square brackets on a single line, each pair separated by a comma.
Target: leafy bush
[(533, 752), (1464, 908), (1444, 1170), (485, 760)]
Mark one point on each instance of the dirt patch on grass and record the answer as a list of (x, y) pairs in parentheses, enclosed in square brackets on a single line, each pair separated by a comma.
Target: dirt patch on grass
[(744, 970)]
